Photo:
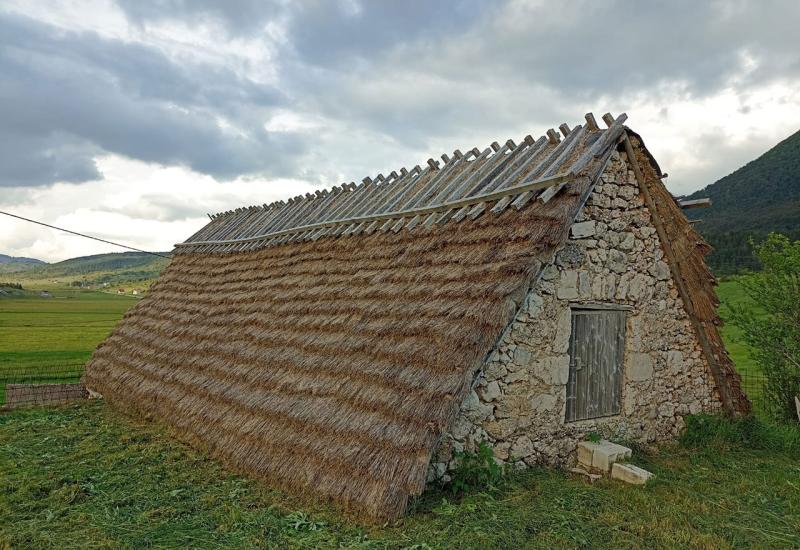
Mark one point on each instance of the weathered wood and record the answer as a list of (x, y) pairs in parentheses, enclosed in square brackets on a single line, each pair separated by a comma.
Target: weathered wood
[(591, 123), (552, 136), (564, 129), (597, 347), (608, 118), (695, 203)]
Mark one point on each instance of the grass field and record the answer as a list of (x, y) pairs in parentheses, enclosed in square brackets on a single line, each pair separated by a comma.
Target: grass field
[(84, 477), (55, 336)]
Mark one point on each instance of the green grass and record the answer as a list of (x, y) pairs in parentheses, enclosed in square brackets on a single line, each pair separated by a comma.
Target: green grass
[(84, 477), (63, 329), (53, 337)]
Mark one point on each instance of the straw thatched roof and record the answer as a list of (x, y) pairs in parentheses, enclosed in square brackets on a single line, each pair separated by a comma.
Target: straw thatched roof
[(326, 343)]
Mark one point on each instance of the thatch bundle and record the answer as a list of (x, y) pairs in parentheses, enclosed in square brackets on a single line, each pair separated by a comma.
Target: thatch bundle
[(332, 366)]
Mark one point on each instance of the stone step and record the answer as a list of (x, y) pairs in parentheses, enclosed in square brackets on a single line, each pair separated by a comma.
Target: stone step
[(630, 473), (600, 456)]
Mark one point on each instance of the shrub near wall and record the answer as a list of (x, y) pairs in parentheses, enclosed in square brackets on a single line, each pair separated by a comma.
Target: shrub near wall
[(774, 338)]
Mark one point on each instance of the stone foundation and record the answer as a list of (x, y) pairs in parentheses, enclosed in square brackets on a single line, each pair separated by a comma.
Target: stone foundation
[(613, 257)]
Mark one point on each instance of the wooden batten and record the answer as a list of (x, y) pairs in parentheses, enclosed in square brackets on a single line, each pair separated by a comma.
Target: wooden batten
[(695, 203)]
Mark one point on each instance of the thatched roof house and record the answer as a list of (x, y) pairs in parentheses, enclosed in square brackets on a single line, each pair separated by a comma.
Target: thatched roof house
[(342, 344)]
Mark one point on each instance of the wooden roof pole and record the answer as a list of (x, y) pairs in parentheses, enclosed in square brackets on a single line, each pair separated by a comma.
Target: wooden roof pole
[(675, 267)]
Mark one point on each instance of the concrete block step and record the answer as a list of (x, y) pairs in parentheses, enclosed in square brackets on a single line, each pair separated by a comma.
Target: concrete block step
[(630, 473), (601, 455)]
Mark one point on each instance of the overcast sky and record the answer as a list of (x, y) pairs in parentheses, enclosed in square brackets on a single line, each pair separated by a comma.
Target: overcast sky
[(132, 119)]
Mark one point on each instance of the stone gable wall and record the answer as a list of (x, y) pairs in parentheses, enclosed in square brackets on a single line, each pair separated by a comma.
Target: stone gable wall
[(613, 256)]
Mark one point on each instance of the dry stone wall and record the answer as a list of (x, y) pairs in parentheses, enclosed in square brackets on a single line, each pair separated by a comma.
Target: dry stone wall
[(613, 256)]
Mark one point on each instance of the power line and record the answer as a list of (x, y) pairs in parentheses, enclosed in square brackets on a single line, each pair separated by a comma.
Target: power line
[(82, 235)]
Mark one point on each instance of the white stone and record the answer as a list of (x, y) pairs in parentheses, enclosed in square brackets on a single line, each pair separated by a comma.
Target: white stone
[(568, 286), (543, 402), (627, 241), (660, 271), (491, 392), (563, 331), (474, 409), (617, 261), (641, 367), (630, 473), (583, 229), (675, 361), (522, 447), (522, 357), (602, 454)]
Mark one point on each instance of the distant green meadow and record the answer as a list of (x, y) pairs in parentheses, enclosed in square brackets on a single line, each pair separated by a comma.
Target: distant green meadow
[(64, 330)]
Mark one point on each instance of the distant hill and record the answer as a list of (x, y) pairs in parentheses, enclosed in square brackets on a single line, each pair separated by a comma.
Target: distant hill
[(19, 259), (758, 198), (125, 268), (14, 264)]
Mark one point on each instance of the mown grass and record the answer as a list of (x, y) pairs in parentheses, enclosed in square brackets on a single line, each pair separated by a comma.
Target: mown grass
[(83, 476)]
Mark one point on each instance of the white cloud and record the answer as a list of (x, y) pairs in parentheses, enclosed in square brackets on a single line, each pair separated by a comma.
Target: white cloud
[(141, 205)]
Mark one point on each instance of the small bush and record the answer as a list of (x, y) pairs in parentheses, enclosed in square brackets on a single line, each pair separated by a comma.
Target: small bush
[(476, 471), (774, 338), (703, 431)]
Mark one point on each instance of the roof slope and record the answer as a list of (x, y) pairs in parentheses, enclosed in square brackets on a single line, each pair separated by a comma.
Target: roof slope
[(331, 363)]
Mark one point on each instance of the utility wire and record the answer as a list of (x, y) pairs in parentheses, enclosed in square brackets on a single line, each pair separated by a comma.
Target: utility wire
[(82, 235)]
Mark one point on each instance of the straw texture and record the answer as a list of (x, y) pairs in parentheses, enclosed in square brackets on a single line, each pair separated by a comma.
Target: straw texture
[(330, 367)]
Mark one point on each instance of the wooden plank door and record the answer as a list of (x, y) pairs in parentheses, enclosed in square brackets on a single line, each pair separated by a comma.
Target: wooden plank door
[(597, 347)]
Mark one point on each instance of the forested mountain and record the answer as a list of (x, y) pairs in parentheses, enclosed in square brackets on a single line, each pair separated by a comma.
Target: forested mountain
[(760, 197)]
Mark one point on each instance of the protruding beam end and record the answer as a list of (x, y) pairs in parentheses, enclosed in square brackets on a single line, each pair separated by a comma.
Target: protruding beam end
[(591, 122)]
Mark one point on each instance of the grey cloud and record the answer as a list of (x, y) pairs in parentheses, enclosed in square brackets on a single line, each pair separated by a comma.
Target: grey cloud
[(66, 97), (238, 16)]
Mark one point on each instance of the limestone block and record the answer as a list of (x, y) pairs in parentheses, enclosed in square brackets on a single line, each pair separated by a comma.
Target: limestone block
[(627, 241), (461, 428), (474, 409), (675, 361), (583, 229), (501, 450), (584, 286), (550, 273), (568, 285), (522, 448), (533, 304), (607, 454), (491, 392), (641, 367), (660, 270), (570, 256), (601, 455), (560, 370), (563, 331), (617, 261), (543, 402), (501, 429), (522, 357), (630, 473)]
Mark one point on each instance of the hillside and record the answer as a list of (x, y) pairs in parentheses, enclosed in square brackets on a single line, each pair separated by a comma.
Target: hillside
[(124, 269), (760, 197), (14, 264)]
